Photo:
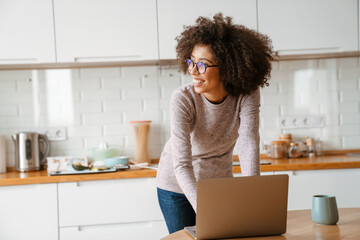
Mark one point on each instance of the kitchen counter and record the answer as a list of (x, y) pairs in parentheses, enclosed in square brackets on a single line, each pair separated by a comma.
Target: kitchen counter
[(335, 160)]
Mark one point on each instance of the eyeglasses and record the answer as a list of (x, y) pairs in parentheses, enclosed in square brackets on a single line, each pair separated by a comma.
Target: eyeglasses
[(201, 67)]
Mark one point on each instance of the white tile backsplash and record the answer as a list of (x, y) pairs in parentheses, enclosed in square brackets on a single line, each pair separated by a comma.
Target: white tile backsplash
[(96, 104), (99, 72), (130, 82), (8, 110), (349, 73), (84, 131), (123, 105), (351, 142), (100, 95), (7, 86), (101, 118), (350, 96), (300, 64), (15, 74)]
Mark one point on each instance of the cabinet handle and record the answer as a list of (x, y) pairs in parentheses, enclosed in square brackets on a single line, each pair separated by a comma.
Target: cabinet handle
[(141, 225), (108, 58), (309, 50)]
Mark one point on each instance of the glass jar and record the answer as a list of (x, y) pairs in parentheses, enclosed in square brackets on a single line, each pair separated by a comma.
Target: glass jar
[(279, 149), (294, 150), (286, 137)]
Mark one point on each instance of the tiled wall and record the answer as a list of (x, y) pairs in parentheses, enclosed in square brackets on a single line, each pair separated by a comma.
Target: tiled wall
[(96, 104)]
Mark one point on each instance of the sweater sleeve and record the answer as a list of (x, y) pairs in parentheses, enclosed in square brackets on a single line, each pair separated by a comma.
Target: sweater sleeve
[(249, 134), (181, 118)]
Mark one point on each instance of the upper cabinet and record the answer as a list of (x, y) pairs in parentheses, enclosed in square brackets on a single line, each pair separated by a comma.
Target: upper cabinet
[(307, 26), (173, 15), (26, 32), (82, 31), (101, 31)]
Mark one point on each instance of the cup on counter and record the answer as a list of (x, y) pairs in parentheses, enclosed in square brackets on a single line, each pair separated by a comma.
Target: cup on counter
[(324, 210), (318, 148)]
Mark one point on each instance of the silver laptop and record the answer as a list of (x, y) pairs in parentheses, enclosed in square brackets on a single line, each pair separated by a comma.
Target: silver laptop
[(241, 207)]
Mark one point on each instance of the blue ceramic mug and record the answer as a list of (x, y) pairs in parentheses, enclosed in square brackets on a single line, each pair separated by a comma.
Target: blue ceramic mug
[(324, 210)]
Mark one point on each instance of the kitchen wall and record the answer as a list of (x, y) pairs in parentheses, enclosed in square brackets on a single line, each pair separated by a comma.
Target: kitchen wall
[(96, 104)]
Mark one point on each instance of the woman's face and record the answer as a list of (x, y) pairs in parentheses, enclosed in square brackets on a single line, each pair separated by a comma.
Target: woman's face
[(208, 83)]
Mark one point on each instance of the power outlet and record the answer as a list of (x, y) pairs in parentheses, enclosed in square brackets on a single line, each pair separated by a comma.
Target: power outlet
[(301, 121), (54, 134)]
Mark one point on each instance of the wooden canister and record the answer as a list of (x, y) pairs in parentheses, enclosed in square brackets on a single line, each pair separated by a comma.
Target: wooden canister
[(141, 131)]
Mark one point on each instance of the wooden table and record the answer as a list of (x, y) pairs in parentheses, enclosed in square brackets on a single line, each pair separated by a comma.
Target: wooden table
[(300, 226)]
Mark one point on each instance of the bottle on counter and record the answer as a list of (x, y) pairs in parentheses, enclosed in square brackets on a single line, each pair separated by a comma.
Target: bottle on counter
[(310, 146)]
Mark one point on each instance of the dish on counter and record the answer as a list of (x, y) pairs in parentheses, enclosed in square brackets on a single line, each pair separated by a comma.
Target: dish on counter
[(88, 171)]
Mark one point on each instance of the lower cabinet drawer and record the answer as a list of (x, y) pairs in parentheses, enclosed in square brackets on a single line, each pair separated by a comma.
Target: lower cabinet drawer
[(108, 202), (128, 231)]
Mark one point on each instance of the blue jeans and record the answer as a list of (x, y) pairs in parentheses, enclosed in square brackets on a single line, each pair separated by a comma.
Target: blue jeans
[(177, 210)]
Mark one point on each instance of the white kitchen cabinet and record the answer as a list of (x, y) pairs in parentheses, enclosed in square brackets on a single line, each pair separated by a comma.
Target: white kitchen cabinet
[(29, 212), (118, 207), (173, 15), (129, 231), (342, 183), (307, 26), (100, 31), (26, 32)]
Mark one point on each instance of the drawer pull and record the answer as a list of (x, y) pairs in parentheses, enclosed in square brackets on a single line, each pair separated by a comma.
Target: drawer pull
[(138, 225)]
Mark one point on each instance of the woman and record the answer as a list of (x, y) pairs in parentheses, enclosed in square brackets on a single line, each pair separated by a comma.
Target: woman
[(228, 63)]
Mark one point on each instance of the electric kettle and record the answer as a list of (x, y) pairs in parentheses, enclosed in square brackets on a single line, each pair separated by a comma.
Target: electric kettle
[(31, 150)]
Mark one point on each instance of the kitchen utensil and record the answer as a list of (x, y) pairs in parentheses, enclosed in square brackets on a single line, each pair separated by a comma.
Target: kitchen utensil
[(141, 165), (141, 130), (28, 153)]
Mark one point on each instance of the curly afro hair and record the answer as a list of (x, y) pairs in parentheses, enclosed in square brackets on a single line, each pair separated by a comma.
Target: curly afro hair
[(244, 56)]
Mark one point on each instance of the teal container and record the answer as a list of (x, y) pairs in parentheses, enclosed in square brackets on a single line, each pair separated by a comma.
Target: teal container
[(99, 154), (111, 162), (324, 210)]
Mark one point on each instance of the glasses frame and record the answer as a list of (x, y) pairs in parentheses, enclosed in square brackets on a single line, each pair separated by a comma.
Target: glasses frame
[(197, 65)]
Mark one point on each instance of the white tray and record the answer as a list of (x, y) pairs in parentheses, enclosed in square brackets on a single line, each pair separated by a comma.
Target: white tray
[(87, 171)]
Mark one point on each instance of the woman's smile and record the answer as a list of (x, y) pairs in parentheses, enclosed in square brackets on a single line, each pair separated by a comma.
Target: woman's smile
[(198, 82)]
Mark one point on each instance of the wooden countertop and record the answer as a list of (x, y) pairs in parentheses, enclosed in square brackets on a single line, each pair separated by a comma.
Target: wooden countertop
[(341, 161), (300, 226)]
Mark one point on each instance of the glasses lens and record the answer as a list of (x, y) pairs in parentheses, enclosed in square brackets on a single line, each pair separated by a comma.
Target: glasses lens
[(201, 67), (189, 64)]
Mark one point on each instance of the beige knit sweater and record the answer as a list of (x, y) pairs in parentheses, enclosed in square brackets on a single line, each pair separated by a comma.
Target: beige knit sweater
[(203, 136)]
